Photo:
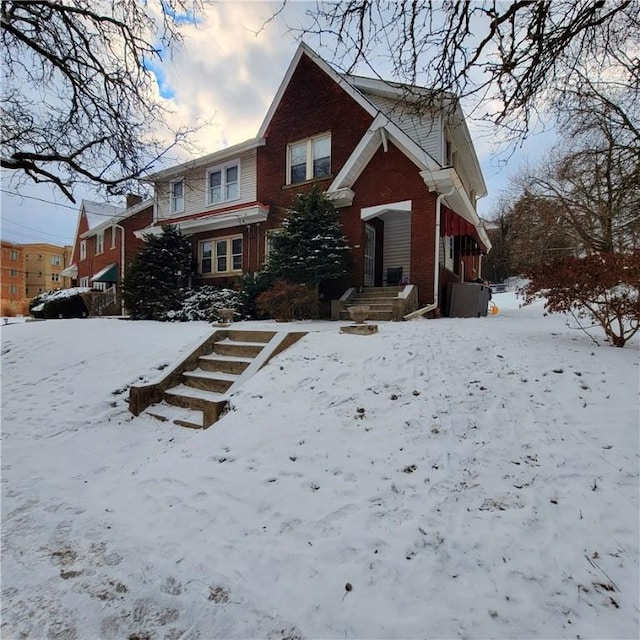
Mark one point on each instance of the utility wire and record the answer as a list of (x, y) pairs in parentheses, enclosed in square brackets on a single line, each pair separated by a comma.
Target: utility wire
[(44, 233)]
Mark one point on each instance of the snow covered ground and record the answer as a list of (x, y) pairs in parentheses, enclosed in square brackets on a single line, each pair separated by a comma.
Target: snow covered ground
[(453, 478)]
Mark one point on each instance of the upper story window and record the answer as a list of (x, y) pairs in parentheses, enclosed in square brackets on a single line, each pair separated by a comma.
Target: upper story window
[(309, 159), (14, 255), (223, 183), (83, 250), (176, 190), (100, 242), (13, 273), (55, 261)]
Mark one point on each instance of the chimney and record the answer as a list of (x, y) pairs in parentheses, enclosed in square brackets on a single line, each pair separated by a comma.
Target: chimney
[(133, 200)]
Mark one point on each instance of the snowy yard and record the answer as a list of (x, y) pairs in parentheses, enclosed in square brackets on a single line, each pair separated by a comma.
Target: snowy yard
[(467, 478)]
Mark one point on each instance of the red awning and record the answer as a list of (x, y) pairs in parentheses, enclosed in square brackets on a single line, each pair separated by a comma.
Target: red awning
[(451, 224)]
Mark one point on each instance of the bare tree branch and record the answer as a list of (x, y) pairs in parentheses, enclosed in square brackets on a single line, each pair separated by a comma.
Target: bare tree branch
[(79, 97)]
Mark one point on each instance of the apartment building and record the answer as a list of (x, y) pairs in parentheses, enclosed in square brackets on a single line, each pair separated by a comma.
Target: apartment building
[(44, 263), (13, 273)]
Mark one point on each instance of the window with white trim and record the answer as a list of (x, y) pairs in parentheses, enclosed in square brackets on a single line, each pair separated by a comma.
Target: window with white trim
[(220, 255), (100, 242), (55, 261), (309, 159), (13, 255), (176, 191), (84, 282), (13, 289), (223, 183), (83, 250), (100, 286), (113, 237), (55, 277)]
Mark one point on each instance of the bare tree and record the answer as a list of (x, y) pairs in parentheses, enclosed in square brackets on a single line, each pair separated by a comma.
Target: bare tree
[(78, 93), (513, 57)]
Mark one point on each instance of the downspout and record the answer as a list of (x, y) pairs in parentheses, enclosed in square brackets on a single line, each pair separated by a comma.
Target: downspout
[(119, 226), (436, 269)]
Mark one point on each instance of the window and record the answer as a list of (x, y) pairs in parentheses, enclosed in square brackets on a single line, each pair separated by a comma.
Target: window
[(84, 282), (100, 286), (177, 196), (309, 159), (83, 250), (446, 252), (113, 237), (100, 242), (223, 184), (55, 277), (222, 255), (13, 273), (14, 255), (14, 289), (55, 261)]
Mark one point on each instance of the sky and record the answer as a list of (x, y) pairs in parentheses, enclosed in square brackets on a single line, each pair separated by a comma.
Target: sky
[(226, 74), (467, 477)]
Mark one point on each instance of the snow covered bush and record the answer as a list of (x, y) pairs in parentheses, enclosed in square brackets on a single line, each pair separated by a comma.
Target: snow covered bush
[(204, 304), (61, 303), (287, 301), (155, 279), (251, 285), (602, 287), (311, 246)]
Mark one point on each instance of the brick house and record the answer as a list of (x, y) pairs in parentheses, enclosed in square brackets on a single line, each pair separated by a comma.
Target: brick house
[(105, 243), (404, 178)]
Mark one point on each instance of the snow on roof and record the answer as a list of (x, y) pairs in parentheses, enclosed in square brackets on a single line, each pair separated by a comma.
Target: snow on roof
[(97, 212)]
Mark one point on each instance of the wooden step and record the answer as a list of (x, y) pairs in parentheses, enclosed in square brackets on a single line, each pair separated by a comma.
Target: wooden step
[(215, 381), (375, 304)]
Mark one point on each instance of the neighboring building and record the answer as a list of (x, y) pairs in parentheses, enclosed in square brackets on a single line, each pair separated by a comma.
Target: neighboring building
[(405, 179), (105, 243), (44, 265), (14, 288)]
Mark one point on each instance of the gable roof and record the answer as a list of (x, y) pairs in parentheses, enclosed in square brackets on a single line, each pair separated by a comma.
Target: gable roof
[(96, 212), (407, 123)]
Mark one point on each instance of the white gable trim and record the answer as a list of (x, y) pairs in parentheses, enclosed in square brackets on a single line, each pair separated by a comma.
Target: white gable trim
[(336, 77), (380, 130), (373, 212)]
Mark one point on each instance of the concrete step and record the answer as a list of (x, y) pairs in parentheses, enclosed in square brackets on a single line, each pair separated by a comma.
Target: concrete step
[(250, 336), (180, 416), (239, 348), (215, 381), (373, 315), (225, 364), (374, 303), (191, 398), (379, 292)]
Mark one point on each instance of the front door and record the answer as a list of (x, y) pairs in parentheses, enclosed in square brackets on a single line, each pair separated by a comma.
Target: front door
[(369, 255)]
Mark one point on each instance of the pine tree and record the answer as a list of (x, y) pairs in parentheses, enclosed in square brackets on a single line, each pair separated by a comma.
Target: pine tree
[(154, 280), (311, 247)]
